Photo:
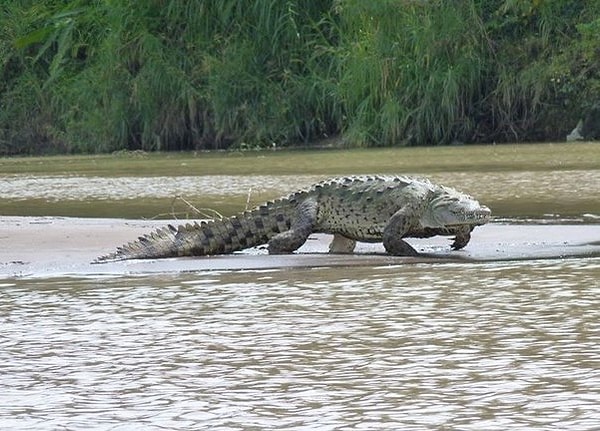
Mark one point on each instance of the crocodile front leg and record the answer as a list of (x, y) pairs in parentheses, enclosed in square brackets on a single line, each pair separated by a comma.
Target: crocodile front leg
[(462, 238), (398, 226), (301, 228)]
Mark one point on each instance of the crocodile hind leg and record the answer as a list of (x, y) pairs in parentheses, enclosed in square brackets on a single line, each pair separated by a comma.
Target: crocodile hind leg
[(301, 228), (341, 244), (462, 238), (396, 228)]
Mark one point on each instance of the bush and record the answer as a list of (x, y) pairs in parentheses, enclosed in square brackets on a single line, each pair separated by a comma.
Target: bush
[(81, 76)]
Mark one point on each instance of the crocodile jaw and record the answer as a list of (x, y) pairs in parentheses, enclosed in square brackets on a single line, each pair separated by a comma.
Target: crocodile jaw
[(449, 208)]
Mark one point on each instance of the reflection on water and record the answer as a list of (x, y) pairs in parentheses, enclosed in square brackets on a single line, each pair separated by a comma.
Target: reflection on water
[(456, 346)]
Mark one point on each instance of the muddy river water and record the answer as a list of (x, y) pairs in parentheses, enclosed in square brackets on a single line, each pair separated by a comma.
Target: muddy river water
[(474, 345)]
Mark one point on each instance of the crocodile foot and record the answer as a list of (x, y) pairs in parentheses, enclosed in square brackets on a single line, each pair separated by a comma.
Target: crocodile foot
[(399, 247)]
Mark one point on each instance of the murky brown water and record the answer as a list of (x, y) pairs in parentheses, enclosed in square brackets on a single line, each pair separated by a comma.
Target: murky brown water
[(457, 346), (514, 180), (533, 194), (506, 185), (461, 346)]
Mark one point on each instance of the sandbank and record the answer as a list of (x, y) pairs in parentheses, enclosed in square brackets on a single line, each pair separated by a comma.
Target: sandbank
[(64, 246)]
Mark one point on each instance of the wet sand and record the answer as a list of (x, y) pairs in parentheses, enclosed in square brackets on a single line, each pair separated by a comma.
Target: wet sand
[(56, 246)]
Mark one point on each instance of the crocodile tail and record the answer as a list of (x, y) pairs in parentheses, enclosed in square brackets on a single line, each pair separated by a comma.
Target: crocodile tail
[(222, 236)]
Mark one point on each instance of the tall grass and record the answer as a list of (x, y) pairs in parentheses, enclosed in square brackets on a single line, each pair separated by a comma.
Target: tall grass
[(538, 88), (164, 75), (411, 71), (81, 76), (266, 84)]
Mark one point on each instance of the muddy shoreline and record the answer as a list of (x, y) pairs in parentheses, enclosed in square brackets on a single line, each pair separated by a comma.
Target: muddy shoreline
[(65, 246)]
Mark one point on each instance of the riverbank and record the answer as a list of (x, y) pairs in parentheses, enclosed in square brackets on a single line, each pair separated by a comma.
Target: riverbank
[(64, 246), (398, 160)]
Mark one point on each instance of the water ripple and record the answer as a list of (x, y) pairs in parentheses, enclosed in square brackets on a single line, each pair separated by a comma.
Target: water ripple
[(55, 188), (506, 186), (455, 346)]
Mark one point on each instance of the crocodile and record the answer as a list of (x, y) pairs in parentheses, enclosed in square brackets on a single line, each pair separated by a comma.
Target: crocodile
[(376, 208)]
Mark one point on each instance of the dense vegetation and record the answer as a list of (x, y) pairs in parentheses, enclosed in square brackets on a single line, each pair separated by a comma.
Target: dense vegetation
[(106, 75)]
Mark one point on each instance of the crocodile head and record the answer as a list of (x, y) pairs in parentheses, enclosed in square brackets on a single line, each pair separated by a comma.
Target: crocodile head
[(448, 207)]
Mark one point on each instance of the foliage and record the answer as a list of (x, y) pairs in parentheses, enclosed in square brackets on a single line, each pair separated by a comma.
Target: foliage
[(411, 71), (107, 75)]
